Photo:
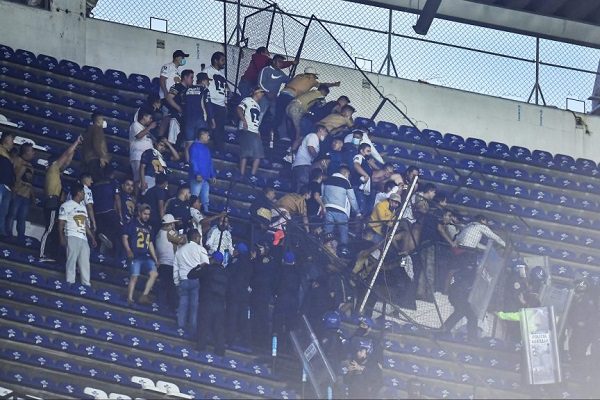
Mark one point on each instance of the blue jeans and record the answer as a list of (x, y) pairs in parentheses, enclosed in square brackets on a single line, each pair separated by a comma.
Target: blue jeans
[(280, 121), (187, 311), (191, 128), (137, 264), (5, 196), (202, 190), (19, 208), (341, 220)]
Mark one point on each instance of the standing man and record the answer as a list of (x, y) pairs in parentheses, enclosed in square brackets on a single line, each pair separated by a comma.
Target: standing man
[(361, 177), (188, 257), (53, 198), (23, 190), (260, 59), (179, 207), (106, 197), (197, 111), (306, 155), (337, 122), (340, 200), (7, 179), (237, 325), (470, 237), (74, 233), (169, 73), (270, 79), (139, 141), (153, 164), (167, 241), (175, 103), (156, 198), (126, 202), (213, 282), (218, 238), (95, 153), (219, 89), (250, 142), (202, 172), (295, 205), (140, 253)]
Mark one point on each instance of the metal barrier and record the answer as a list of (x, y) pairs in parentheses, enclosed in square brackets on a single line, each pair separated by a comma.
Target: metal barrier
[(457, 55)]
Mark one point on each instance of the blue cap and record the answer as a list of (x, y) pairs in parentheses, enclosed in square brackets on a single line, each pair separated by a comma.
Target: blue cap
[(364, 343), (218, 256), (289, 257), (242, 248)]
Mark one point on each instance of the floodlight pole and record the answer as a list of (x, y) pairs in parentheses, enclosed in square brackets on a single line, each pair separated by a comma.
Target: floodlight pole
[(388, 60), (537, 89), (390, 239)]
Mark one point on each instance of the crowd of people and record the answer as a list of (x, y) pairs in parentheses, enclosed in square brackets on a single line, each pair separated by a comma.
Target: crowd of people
[(233, 290)]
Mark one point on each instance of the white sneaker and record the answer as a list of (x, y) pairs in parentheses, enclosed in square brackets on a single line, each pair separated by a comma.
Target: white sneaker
[(288, 158)]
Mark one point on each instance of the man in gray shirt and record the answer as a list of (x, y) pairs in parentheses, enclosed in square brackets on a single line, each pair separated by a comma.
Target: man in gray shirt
[(270, 79)]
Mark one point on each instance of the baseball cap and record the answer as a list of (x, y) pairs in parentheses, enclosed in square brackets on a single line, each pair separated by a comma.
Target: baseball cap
[(168, 219), (310, 70), (5, 121), (395, 197), (202, 76), (180, 53)]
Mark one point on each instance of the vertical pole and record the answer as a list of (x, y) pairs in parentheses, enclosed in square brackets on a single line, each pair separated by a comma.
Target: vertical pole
[(225, 36), (389, 52), (271, 27), (537, 69), (238, 26), (293, 69)]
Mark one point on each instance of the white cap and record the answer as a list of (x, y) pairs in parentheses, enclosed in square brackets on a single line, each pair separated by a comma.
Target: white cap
[(310, 70), (168, 219), (5, 121)]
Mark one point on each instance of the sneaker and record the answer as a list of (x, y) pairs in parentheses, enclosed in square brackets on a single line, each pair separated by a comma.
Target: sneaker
[(105, 241), (288, 158), (47, 259)]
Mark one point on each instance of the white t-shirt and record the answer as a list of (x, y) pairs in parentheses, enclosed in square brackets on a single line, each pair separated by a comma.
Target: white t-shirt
[(187, 258), (197, 218), (303, 156), (251, 114), (75, 216), (165, 251), (138, 146), (170, 71), (218, 86)]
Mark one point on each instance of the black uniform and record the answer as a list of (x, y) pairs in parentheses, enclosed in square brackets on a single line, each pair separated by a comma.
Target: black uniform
[(458, 295), (317, 300), (582, 321), (285, 313), (238, 299), (262, 282), (211, 315)]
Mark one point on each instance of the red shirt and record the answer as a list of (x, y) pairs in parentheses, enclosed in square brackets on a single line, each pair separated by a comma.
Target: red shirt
[(258, 62)]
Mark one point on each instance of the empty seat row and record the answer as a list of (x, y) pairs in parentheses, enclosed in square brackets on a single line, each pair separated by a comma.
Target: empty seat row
[(112, 78), (478, 147)]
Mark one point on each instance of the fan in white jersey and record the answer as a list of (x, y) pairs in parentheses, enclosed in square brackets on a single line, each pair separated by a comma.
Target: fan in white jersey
[(250, 142)]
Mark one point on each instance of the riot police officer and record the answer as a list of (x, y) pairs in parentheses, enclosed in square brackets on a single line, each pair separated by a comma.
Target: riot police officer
[(213, 292), (262, 282), (285, 312), (239, 273)]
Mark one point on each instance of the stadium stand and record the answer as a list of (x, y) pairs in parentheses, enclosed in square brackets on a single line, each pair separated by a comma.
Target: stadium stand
[(83, 342)]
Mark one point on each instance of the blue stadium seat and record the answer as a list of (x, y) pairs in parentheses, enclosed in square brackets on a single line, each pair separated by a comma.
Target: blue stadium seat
[(6, 53), (542, 178), (565, 163), (68, 68), (91, 74), (47, 63), (25, 58), (142, 83), (116, 79), (421, 156), (399, 151), (471, 182), (365, 123), (494, 186), (444, 177), (469, 164), (445, 160), (494, 169), (542, 158), (465, 200)]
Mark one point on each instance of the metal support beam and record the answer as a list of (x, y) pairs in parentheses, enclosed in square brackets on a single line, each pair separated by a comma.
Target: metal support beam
[(537, 89), (427, 15), (390, 239), (388, 60)]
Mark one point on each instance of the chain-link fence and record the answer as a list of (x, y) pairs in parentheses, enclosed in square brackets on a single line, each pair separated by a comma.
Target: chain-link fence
[(453, 54)]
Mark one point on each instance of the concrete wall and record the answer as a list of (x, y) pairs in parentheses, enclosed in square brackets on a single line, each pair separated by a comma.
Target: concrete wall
[(104, 44)]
